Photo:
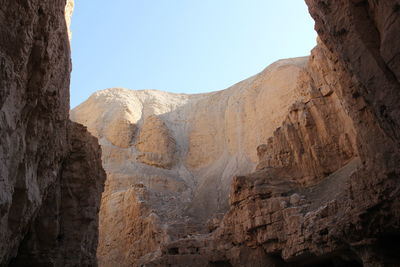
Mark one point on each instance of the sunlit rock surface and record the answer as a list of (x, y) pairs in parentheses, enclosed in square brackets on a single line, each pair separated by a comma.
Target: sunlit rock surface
[(319, 137), (182, 152)]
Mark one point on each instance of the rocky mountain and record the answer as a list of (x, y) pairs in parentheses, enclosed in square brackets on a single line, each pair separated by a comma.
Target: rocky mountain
[(319, 137)]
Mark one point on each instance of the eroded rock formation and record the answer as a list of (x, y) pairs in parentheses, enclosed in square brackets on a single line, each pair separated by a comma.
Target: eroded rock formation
[(65, 231), (174, 155), (51, 176), (156, 144), (325, 190), (342, 213)]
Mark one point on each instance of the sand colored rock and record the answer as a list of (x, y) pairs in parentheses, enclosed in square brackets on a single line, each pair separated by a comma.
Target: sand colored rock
[(136, 233), (155, 142), (303, 170), (183, 150), (120, 132), (69, 9), (334, 213), (319, 137), (305, 137)]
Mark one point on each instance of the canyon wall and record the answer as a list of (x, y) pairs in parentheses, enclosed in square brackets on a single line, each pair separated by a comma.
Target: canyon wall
[(170, 158), (326, 192), (319, 137), (51, 177), (279, 214)]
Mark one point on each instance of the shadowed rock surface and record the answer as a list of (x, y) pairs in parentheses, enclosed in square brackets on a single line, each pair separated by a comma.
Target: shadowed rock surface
[(51, 176)]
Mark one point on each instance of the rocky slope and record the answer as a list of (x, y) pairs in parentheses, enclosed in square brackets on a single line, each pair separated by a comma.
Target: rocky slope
[(325, 190), (279, 215), (170, 158), (343, 211), (51, 177)]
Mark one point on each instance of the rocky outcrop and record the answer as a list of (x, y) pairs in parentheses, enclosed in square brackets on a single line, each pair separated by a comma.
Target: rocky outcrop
[(156, 144), (326, 192), (280, 214), (173, 156), (323, 187), (366, 51), (69, 9), (124, 239), (50, 174), (324, 183), (67, 222), (317, 137)]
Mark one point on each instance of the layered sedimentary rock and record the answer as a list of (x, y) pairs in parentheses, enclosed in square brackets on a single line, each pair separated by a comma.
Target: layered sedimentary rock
[(325, 190), (51, 177), (173, 156), (278, 213)]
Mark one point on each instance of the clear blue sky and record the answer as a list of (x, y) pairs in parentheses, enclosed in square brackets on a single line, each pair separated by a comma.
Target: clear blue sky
[(187, 46)]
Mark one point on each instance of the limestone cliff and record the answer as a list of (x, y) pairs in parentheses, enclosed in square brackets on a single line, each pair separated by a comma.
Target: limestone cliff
[(324, 190), (51, 177), (174, 155), (274, 215)]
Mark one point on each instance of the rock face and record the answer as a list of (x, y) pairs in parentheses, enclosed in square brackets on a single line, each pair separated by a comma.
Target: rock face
[(69, 9), (51, 177), (279, 215), (319, 137), (325, 190), (174, 155), (67, 222), (156, 144)]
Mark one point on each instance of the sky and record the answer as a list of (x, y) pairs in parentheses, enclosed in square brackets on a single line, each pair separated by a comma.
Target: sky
[(182, 46)]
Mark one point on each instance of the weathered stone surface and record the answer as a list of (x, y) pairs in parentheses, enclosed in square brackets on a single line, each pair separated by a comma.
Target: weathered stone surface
[(157, 145), (126, 238), (34, 106), (67, 222), (288, 206), (316, 139), (291, 208), (183, 151), (326, 188), (69, 9), (41, 169)]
